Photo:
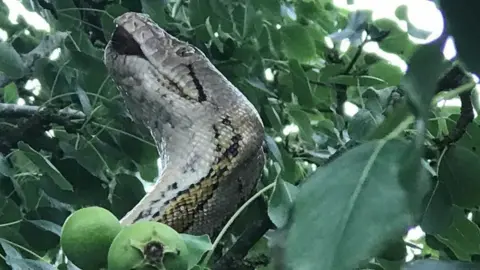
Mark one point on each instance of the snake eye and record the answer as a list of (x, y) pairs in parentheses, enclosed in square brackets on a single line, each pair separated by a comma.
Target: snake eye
[(185, 51)]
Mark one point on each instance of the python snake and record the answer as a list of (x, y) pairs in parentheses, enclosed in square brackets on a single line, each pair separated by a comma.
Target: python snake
[(208, 135)]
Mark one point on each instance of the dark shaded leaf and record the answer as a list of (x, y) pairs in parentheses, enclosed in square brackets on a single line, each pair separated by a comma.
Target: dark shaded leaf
[(393, 257), (462, 237), (459, 169), (45, 166), (301, 86), (127, 192), (274, 150), (363, 123), (9, 211), (459, 22), (48, 226), (197, 246), (112, 11), (438, 215), (398, 116), (5, 167), (281, 201), (11, 62), (301, 119), (431, 264), (297, 43), (68, 15), (156, 10), (420, 83)]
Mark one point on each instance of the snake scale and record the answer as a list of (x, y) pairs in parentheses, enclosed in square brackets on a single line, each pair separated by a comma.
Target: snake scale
[(208, 135)]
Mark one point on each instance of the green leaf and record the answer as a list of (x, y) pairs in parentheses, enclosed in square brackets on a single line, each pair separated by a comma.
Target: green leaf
[(127, 192), (297, 43), (68, 15), (301, 86), (420, 83), (213, 37), (289, 169), (438, 214), (45, 166), (396, 118), (281, 201), (249, 19), (148, 171), (53, 81), (10, 211), (94, 155), (273, 118), (471, 139), (349, 210), (112, 11), (11, 62), (389, 73), (459, 169), (11, 234), (462, 237), (48, 226), (274, 150), (357, 80), (401, 12), (301, 119), (459, 21), (363, 123), (5, 168), (10, 251), (156, 10), (197, 246), (199, 12), (10, 93), (432, 264)]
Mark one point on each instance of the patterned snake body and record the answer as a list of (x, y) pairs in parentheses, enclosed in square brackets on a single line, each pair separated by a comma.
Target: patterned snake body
[(209, 136)]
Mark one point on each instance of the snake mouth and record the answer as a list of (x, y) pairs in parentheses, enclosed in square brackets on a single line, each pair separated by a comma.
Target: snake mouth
[(124, 44)]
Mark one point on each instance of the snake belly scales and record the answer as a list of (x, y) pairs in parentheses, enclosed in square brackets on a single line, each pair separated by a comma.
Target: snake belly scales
[(208, 135)]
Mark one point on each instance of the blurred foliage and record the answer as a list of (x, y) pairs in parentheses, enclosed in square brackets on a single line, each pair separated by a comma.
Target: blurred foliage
[(347, 188)]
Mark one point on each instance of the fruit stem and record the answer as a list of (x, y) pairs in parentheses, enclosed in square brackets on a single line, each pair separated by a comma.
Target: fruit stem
[(231, 220)]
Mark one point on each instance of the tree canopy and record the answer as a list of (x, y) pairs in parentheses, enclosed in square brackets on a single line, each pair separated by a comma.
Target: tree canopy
[(339, 190)]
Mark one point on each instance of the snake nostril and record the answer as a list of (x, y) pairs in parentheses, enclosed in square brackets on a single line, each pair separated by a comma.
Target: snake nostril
[(123, 43)]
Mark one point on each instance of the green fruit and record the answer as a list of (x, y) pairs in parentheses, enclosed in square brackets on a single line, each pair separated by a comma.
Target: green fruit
[(87, 235), (148, 245)]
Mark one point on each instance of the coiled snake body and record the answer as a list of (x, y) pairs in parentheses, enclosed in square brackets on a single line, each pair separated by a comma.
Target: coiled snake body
[(208, 135)]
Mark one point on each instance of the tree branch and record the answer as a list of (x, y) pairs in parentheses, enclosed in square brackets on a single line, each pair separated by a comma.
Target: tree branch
[(233, 259), (44, 48), (452, 79), (19, 111), (32, 123)]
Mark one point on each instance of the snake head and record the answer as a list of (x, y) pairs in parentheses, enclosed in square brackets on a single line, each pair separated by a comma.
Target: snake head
[(138, 45), (137, 34)]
